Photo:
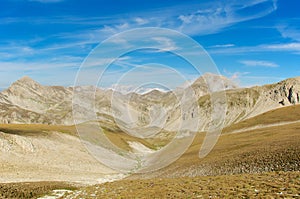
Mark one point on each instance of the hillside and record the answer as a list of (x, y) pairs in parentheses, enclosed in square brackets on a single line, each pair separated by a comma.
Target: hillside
[(43, 152), (263, 149), (274, 148), (247, 163), (247, 160)]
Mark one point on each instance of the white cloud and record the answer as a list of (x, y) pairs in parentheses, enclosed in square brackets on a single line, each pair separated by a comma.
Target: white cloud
[(223, 46), (193, 19), (165, 44), (284, 47), (11, 67), (288, 31), (218, 17), (246, 79), (141, 21), (100, 62), (261, 63), (186, 19), (293, 47), (123, 26), (236, 76)]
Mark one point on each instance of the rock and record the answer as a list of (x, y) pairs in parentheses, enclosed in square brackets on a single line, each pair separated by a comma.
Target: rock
[(292, 96), (282, 102), (284, 89)]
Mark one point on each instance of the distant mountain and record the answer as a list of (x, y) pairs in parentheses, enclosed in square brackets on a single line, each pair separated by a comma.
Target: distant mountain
[(44, 104), (26, 101)]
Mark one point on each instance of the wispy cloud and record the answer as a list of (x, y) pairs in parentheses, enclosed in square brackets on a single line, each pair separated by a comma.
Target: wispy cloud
[(165, 44), (70, 47), (220, 16), (141, 21), (235, 76), (283, 47), (290, 31), (293, 47), (36, 65), (260, 63), (222, 46), (192, 19), (248, 79), (53, 72)]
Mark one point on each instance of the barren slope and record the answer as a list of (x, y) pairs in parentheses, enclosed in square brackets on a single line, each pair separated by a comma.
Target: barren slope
[(46, 153)]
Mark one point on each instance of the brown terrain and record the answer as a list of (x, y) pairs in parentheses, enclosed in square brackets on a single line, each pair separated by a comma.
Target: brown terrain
[(256, 163)]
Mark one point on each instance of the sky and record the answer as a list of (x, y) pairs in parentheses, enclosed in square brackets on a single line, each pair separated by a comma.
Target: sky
[(252, 42)]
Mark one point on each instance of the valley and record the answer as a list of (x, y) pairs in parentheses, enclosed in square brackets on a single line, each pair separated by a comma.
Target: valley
[(256, 154)]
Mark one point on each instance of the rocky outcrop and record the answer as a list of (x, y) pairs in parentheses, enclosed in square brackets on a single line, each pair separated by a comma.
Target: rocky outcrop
[(292, 96), (289, 92)]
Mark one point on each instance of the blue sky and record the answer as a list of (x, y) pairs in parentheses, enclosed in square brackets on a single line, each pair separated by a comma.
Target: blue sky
[(252, 42)]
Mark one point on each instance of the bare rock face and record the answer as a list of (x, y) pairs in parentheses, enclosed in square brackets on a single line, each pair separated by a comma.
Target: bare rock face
[(292, 96), (289, 92)]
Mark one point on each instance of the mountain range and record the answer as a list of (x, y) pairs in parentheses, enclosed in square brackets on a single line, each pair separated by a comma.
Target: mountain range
[(37, 128), (27, 101)]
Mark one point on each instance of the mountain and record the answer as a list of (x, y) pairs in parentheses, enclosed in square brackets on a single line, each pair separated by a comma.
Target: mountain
[(260, 134), (30, 102), (27, 101)]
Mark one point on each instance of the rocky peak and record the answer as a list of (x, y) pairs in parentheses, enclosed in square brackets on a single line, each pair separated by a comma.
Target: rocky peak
[(28, 81), (209, 82), (215, 82), (24, 82), (288, 91)]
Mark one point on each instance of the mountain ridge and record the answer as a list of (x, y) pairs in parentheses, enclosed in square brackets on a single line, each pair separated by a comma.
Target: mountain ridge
[(27, 101)]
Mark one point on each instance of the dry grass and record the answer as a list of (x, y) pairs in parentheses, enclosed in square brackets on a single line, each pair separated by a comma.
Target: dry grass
[(121, 140), (268, 149), (31, 189), (265, 185), (285, 114), (113, 133), (261, 163), (36, 129)]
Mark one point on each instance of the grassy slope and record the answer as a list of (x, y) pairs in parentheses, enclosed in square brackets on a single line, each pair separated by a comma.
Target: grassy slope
[(31, 189), (285, 114), (116, 136), (35, 129), (268, 149), (264, 163), (286, 185)]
